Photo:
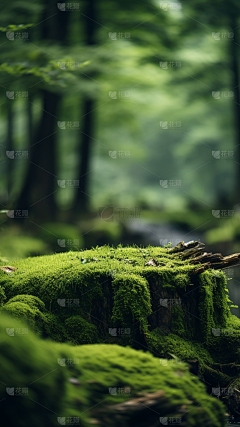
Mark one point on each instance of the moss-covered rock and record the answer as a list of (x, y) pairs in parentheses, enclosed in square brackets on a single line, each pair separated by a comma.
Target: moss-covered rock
[(149, 298), (47, 384)]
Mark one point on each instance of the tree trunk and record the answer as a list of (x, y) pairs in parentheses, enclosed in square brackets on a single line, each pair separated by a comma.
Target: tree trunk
[(86, 135), (40, 185)]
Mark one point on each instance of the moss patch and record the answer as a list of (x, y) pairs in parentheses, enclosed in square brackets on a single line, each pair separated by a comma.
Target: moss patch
[(53, 382), (97, 295)]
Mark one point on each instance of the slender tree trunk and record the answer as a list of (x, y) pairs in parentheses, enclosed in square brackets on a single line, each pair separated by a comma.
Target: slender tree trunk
[(87, 132), (23, 201), (41, 179)]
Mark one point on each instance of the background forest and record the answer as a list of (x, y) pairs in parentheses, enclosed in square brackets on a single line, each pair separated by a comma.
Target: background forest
[(120, 123)]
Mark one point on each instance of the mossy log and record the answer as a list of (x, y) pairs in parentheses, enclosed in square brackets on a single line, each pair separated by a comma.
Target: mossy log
[(169, 301)]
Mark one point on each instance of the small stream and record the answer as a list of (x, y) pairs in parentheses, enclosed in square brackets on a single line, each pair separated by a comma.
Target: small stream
[(150, 233)]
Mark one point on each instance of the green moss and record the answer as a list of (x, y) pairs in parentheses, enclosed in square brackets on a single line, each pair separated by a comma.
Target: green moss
[(23, 311), (108, 375), (28, 367), (2, 296), (79, 331), (79, 296), (182, 280), (163, 345), (33, 302), (131, 301), (177, 321), (54, 328)]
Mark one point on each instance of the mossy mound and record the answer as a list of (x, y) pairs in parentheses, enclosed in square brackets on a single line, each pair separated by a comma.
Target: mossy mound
[(45, 383), (114, 286), (121, 296)]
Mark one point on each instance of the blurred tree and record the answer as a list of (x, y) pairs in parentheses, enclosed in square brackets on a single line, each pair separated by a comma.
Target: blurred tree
[(40, 182), (222, 23), (143, 24)]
